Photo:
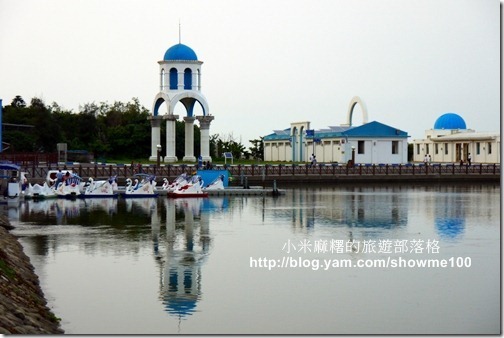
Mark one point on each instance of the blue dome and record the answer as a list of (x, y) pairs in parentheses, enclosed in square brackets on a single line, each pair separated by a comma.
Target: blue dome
[(450, 121), (180, 52)]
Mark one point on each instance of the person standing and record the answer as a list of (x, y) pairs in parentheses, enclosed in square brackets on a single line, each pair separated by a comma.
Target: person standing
[(59, 178), (469, 158)]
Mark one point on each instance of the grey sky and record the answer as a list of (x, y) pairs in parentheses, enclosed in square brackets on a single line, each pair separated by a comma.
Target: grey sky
[(266, 63)]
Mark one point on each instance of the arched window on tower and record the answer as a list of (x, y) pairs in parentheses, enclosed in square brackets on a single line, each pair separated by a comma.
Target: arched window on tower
[(187, 78), (162, 82), (173, 78)]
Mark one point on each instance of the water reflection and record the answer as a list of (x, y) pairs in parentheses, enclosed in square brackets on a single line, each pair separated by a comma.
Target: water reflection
[(171, 241), (187, 246), (108, 205), (344, 207), (450, 218)]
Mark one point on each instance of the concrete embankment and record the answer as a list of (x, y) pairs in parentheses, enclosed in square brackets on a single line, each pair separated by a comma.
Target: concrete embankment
[(23, 308)]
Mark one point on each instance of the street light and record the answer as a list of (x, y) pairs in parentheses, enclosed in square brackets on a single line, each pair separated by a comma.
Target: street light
[(158, 154), (353, 155)]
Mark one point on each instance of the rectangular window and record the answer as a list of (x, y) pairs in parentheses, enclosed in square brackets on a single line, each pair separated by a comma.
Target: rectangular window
[(360, 147), (427, 148), (418, 149), (489, 148), (477, 148), (395, 147), (446, 148), (436, 148)]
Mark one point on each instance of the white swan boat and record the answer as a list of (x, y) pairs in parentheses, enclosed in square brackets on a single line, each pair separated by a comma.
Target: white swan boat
[(193, 188), (103, 188), (144, 188), (70, 187), (166, 184), (217, 184), (37, 191), (181, 180)]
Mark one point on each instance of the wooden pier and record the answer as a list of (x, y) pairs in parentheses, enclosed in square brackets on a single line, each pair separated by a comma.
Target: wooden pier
[(267, 175)]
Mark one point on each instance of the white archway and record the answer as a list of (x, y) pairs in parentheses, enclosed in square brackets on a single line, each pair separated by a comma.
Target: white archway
[(356, 100)]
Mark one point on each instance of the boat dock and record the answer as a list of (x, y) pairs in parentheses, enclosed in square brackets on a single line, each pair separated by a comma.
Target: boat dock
[(266, 175)]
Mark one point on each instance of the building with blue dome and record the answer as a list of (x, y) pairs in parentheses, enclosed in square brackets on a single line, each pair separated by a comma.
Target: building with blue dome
[(450, 141), (450, 121), (180, 82)]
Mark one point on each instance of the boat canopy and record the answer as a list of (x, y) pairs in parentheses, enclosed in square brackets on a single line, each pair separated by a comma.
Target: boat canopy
[(6, 170), (9, 166)]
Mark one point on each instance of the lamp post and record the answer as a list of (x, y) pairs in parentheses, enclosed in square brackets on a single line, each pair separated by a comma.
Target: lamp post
[(313, 142), (158, 154), (353, 155)]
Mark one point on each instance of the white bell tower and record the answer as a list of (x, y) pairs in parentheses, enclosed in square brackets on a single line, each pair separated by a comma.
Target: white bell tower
[(180, 81)]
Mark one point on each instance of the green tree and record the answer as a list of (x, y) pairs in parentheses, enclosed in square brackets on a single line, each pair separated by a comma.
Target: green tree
[(257, 149), (18, 102), (47, 132)]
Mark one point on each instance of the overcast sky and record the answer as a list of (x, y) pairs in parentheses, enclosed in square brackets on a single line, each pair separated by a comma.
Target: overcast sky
[(267, 63)]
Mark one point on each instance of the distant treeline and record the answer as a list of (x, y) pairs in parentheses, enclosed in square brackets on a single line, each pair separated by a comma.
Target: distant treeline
[(118, 130)]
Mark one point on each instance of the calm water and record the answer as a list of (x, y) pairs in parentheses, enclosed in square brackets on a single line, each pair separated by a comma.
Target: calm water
[(163, 266)]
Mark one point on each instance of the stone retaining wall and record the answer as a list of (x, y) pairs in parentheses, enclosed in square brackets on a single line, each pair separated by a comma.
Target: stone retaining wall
[(23, 308)]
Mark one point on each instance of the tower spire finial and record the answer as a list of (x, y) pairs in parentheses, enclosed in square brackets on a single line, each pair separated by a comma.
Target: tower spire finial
[(179, 40)]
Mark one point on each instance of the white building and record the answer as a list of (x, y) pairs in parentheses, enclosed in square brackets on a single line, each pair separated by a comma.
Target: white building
[(372, 142), (450, 142)]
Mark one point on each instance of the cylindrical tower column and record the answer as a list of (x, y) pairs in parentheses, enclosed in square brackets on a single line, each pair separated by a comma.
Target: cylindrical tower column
[(155, 135), (189, 139), (204, 122), (170, 138)]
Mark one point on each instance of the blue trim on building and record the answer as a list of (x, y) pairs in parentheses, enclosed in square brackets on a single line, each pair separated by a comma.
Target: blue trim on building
[(173, 79), (158, 104), (187, 79)]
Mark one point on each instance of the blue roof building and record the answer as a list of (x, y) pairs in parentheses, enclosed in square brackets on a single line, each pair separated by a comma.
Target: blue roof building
[(372, 142)]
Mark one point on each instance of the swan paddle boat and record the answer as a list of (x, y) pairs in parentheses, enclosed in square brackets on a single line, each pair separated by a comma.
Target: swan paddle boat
[(217, 184), (37, 191), (70, 187), (165, 185), (142, 186), (193, 188), (104, 188), (179, 181)]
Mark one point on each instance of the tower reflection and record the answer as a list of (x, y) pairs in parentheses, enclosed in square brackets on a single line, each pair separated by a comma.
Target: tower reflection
[(188, 244)]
